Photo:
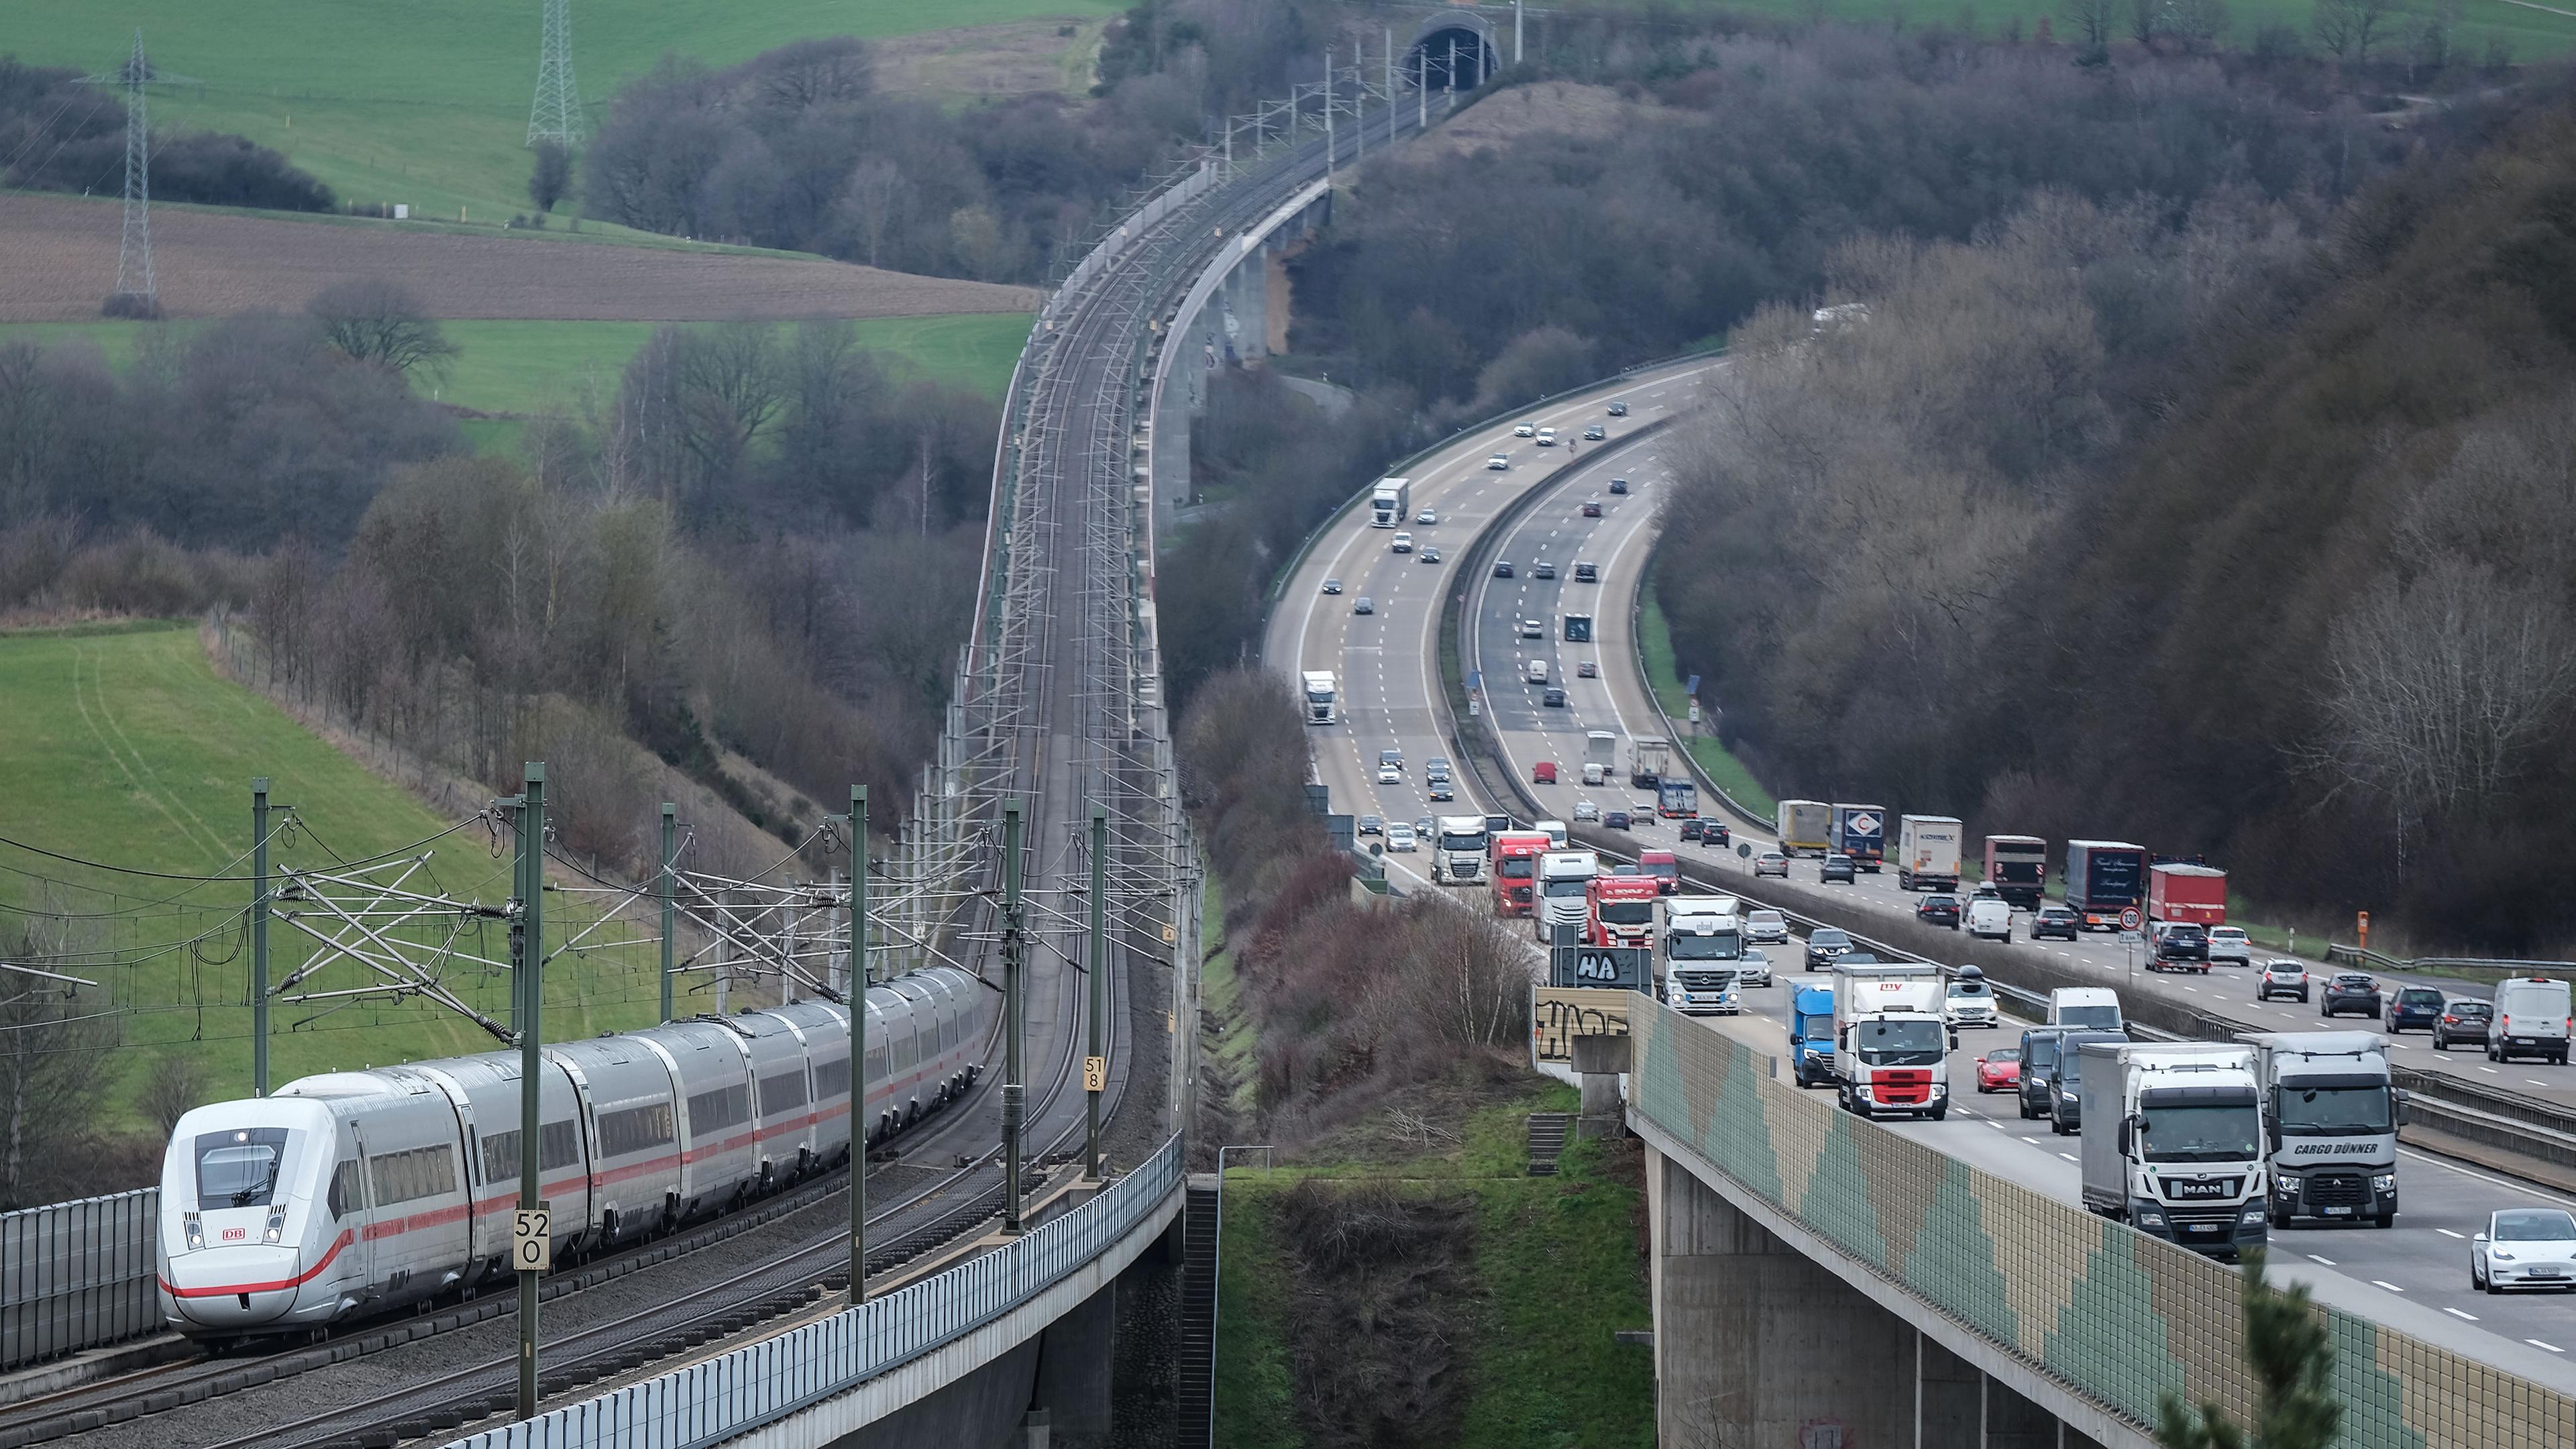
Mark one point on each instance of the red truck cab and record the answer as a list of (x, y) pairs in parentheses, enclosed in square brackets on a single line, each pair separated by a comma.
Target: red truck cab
[(1621, 910), (1664, 867), (1514, 870)]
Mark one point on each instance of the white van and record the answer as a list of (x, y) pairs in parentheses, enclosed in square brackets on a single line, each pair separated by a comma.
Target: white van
[(2095, 1008), (1535, 671), (2531, 1020), (1594, 773), (1554, 830), (1989, 918)]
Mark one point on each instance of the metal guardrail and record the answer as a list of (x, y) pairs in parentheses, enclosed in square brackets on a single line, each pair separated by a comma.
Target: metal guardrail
[(2338, 953), (708, 1403), (78, 1274)]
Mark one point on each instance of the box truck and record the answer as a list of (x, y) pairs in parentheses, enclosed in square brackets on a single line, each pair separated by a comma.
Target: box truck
[(2332, 1110), (2182, 892), (1649, 761), (1927, 852), (2017, 867), (1890, 1044), (2174, 1143), (1390, 503), (2104, 878), (1803, 825), (1859, 831)]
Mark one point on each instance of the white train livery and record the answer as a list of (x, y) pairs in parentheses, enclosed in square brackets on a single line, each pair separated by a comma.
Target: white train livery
[(352, 1193)]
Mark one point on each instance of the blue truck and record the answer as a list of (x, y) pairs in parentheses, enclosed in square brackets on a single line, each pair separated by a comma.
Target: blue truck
[(1811, 1029), (1860, 831)]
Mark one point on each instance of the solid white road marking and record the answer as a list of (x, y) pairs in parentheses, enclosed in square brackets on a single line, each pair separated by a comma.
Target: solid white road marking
[(2384, 1283), (2329, 1262), (2446, 1232), (2455, 1313), (2536, 1343), (2069, 1156)]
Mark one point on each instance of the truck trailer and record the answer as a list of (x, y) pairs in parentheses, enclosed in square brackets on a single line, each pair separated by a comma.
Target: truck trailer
[(1927, 852), (2332, 1109), (2174, 1143), (1600, 756), (2192, 893), (2104, 878), (2017, 867), (1890, 1042), (1859, 831), (1804, 826), (1391, 503), (1649, 761)]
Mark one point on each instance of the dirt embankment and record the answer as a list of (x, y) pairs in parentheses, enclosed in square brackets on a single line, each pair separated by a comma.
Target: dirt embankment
[(62, 263)]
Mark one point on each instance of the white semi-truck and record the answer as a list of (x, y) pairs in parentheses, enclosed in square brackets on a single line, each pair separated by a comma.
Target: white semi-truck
[(1391, 503), (1927, 852), (1564, 880), (1323, 700), (2331, 1109), (2174, 1144), (1890, 1042), (1458, 857)]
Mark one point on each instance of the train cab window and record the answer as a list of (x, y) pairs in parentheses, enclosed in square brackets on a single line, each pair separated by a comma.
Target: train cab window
[(238, 1168), (782, 1091), (348, 1191)]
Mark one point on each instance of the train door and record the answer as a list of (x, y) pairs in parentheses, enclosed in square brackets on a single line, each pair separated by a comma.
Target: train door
[(349, 1202)]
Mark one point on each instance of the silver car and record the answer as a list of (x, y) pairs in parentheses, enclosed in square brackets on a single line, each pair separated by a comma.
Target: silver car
[(1586, 810), (1767, 926), (1401, 837), (1753, 968), (2524, 1248)]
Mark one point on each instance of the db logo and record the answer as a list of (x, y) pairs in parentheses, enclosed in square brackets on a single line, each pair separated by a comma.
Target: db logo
[(236, 1235)]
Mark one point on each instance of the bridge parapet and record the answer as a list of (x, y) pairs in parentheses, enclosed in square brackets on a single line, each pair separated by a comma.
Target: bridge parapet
[(2115, 1316), (794, 1373)]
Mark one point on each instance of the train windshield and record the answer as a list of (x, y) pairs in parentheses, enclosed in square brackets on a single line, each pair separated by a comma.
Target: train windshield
[(238, 1168)]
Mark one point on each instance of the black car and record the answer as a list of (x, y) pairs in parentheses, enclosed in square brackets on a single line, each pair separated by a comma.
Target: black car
[(2038, 1054), (1502, 568), (2415, 1006), (1714, 833), (2066, 1078), (1440, 790), (1692, 827), (2181, 946), (2054, 920), (1371, 825), (2349, 991), (2464, 1019), (1554, 698), (1619, 486), (1938, 911), (1825, 944), (1595, 433), (1618, 410), (1615, 820), (1837, 867)]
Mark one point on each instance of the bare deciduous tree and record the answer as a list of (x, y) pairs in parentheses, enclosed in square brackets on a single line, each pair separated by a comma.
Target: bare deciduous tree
[(2093, 21), (378, 320), (2352, 28)]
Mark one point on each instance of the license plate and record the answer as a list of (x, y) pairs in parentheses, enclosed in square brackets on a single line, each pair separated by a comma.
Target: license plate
[(2338, 1212), (2204, 1227)]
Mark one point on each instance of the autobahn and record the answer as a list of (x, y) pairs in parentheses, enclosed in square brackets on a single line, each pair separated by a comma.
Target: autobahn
[(2412, 1276)]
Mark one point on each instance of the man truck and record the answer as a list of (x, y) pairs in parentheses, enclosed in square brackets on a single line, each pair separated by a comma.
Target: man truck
[(2332, 1109), (2017, 867), (2196, 894), (1458, 858), (1514, 868), (1927, 852), (2104, 878), (1803, 825), (1391, 503), (2173, 1142), (1811, 1029), (1889, 1039), (1859, 831), (1320, 697)]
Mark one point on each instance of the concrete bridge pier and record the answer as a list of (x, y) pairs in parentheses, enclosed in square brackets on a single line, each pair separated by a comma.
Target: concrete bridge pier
[(1759, 1345)]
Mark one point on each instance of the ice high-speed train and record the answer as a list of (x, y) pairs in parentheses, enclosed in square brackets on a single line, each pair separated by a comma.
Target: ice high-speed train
[(355, 1192)]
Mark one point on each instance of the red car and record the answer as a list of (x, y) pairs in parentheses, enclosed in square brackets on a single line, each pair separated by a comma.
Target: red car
[(1999, 1070), (1592, 508)]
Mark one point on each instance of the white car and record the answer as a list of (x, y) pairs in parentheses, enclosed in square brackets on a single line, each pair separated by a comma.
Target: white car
[(1586, 810), (1525, 430), (2524, 1248), (1401, 543), (1753, 968), (1969, 1002), (1533, 628), (1547, 437), (2230, 943), (1427, 517), (1766, 926), (1499, 463), (1389, 775), (1401, 837)]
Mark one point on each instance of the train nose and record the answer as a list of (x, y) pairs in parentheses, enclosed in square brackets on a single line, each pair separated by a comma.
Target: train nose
[(232, 1288)]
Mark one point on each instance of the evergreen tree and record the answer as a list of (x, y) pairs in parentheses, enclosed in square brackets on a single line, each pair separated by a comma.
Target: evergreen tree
[(2285, 1344)]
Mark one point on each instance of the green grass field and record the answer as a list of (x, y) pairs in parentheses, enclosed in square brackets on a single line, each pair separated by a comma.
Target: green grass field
[(1556, 1258), (1655, 643), (428, 102), (126, 748), (520, 368)]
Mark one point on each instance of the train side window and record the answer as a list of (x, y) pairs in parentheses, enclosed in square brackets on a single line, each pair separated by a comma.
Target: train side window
[(832, 1078), (558, 1144), (782, 1091), (348, 1190)]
